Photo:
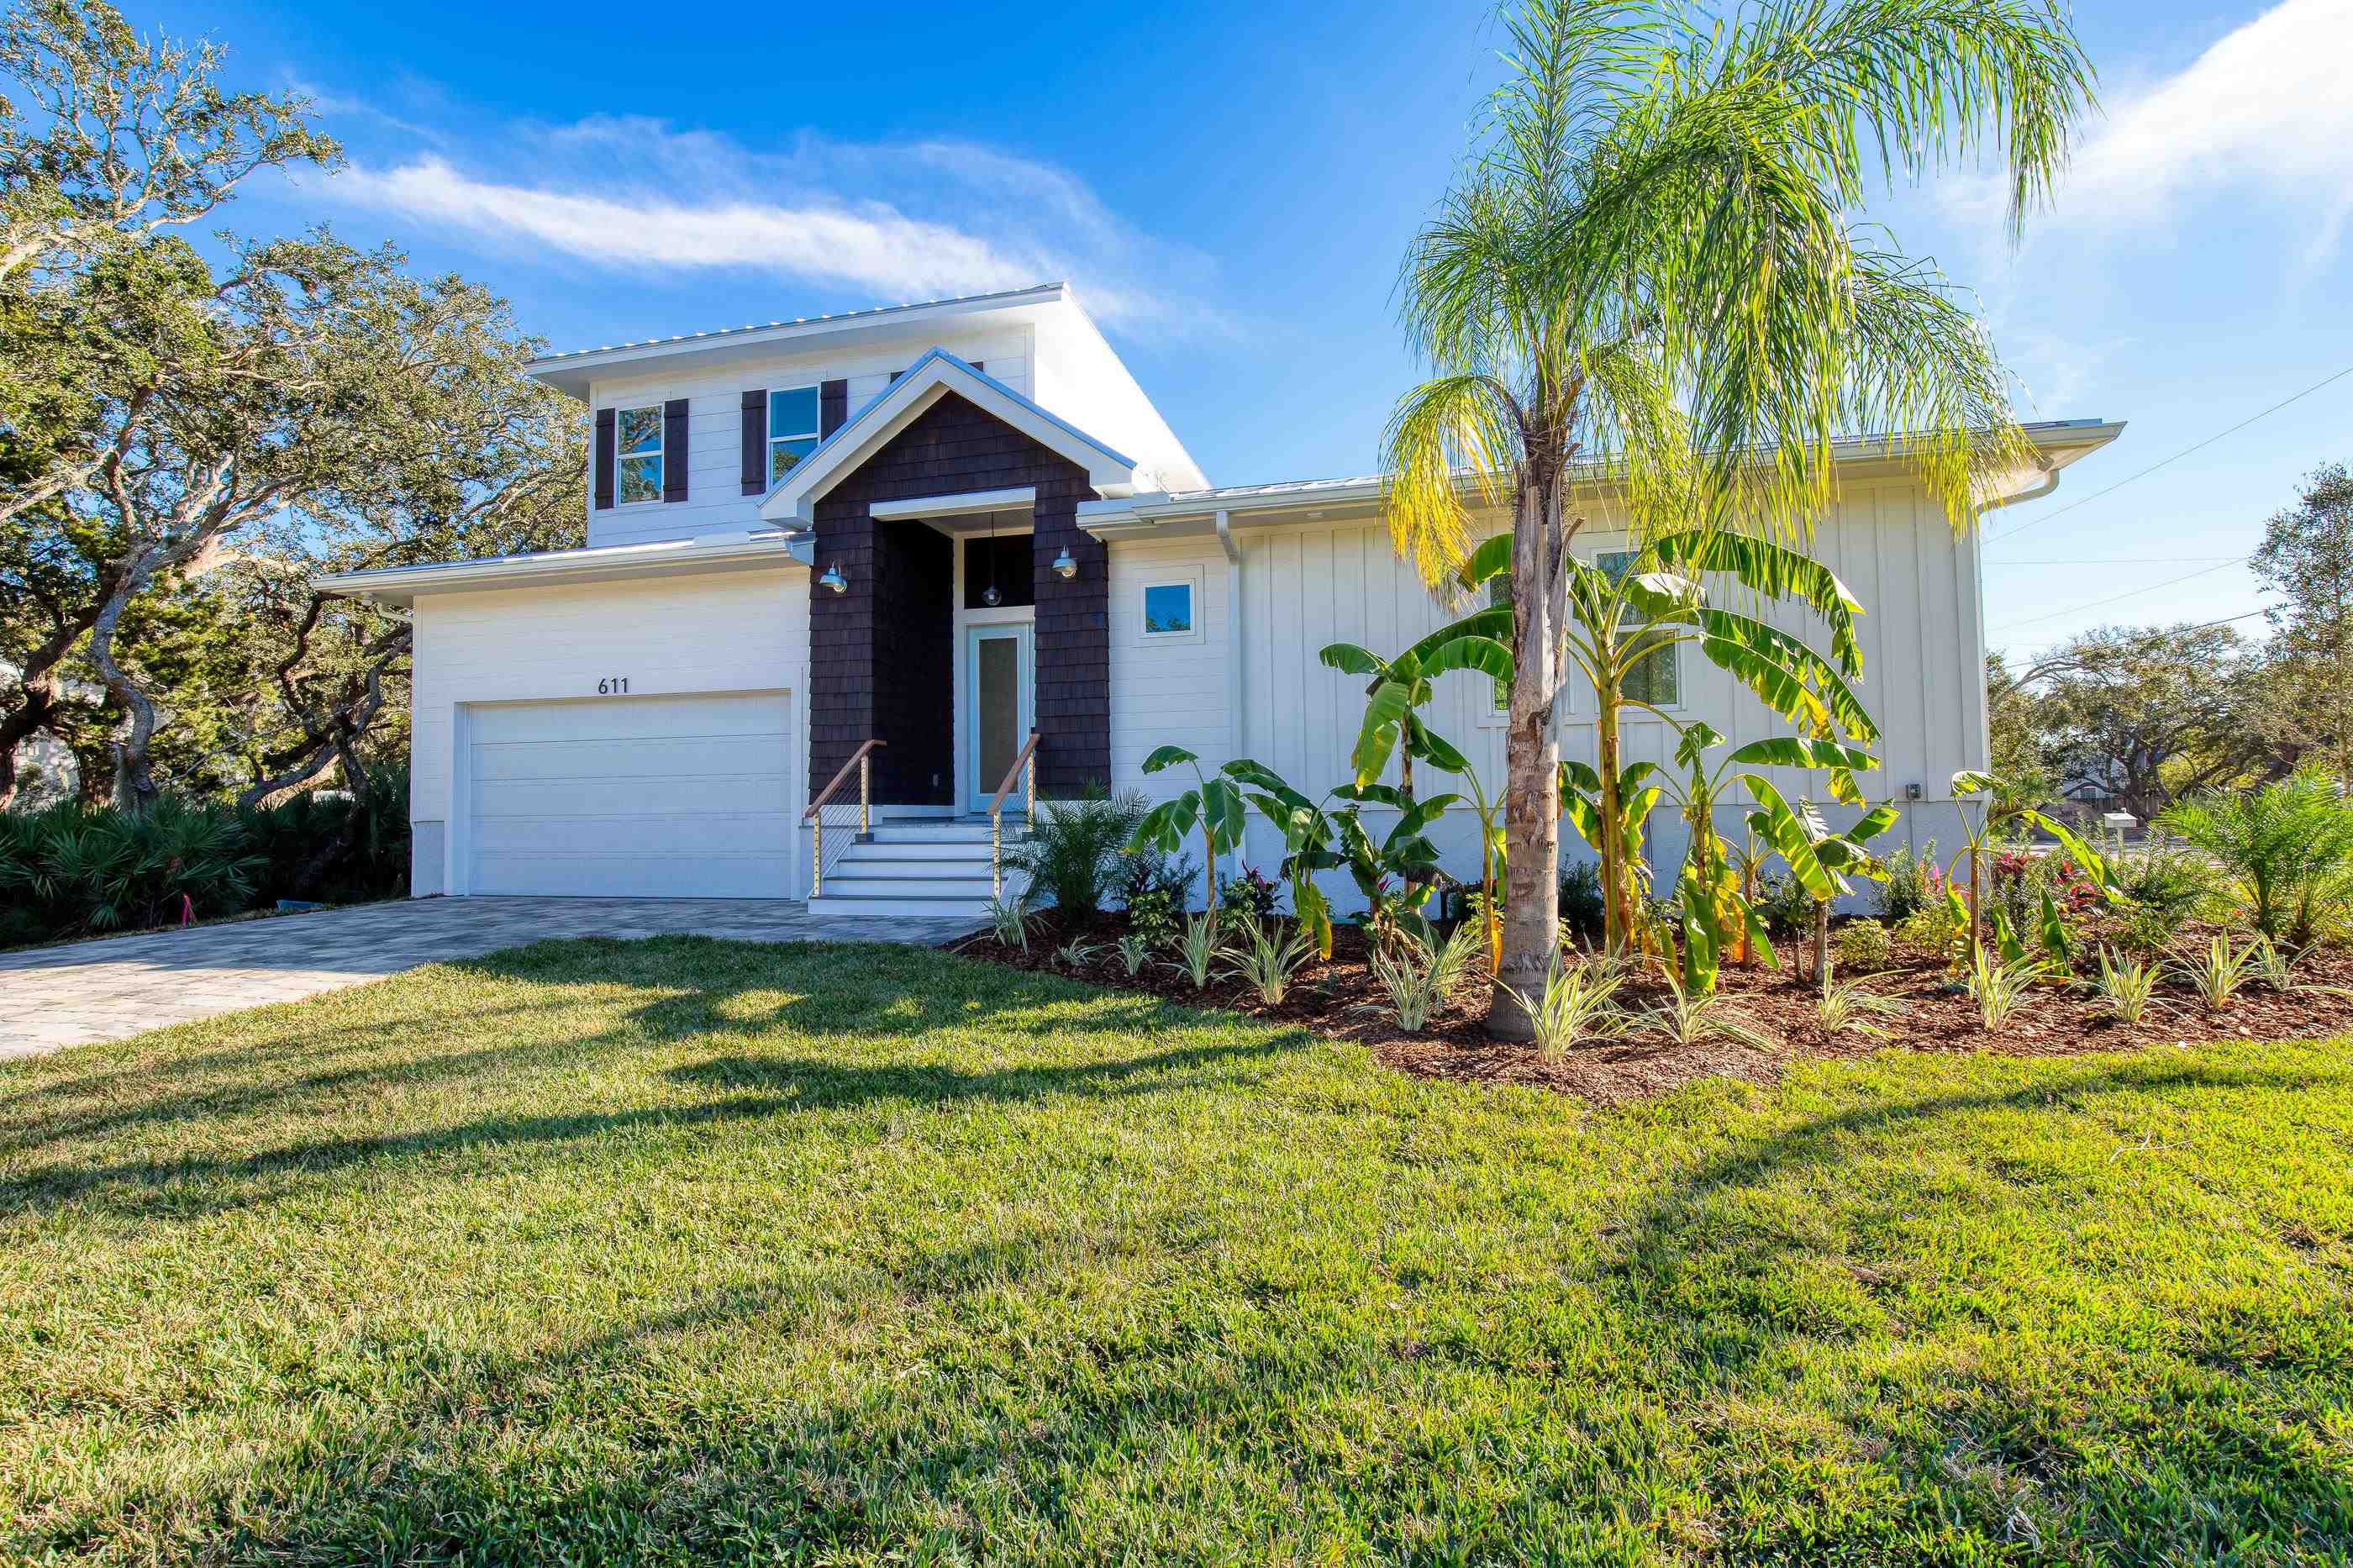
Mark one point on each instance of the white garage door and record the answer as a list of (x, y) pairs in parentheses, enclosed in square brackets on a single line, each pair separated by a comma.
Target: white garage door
[(634, 796)]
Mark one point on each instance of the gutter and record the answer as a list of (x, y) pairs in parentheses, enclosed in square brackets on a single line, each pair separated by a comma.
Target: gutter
[(667, 558)]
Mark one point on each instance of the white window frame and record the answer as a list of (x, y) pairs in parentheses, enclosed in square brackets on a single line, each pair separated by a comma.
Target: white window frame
[(769, 424), (660, 454), (1187, 578), (1492, 714)]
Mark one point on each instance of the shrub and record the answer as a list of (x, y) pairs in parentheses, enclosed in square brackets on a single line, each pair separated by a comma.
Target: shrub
[(1998, 989), (1849, 1008), (1933, 928), (1248, 897), (1912, 883), (1582, 916), (2288, 846), (1072, 854), (2164, 875), (1196, 949), (1864, 944), (72, 869), (78, 870), (1153, 894), (2148, 929), (1785, 906)]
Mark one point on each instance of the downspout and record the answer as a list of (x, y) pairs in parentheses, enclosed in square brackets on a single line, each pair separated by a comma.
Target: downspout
[(1236, 723)]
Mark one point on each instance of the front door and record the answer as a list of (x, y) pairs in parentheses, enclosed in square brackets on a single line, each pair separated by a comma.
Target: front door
[(998, 683)]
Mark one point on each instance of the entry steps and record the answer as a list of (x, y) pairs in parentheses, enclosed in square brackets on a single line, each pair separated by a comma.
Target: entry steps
[(936, 867)]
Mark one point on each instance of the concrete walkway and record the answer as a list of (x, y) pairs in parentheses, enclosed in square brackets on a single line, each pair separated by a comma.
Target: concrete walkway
[(52, 997)]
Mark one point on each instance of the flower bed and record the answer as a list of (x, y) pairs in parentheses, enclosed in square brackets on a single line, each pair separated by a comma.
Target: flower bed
[(1340, 1000)]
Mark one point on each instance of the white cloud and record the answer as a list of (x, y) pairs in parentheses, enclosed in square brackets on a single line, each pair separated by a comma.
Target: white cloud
[(891, 221), (2262, 116)]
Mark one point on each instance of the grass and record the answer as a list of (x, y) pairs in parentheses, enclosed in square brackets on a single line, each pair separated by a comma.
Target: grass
[(680, 1251)]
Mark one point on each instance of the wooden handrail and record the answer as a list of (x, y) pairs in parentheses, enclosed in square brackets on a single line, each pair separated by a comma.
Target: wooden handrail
[(1012, 774), (855, 758), (1027, 758)]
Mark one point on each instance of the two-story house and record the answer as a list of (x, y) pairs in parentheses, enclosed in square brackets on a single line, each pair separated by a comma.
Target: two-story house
[(905, 561)]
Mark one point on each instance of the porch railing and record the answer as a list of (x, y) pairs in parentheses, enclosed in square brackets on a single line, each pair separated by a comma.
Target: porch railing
[(1023, 772), (862, 762)]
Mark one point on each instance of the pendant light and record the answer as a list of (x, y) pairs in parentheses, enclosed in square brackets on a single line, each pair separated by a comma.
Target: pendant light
[(989, 595)]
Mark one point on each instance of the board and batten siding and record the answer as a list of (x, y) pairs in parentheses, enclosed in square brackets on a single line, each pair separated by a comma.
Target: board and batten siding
[(708, 632), (715, 502), (1168, 693), (1305, 586)]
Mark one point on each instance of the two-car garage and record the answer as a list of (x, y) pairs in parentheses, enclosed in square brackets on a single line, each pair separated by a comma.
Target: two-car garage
[(651, 796)]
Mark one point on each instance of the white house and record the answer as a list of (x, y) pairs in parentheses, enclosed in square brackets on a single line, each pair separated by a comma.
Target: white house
[(949, 528)]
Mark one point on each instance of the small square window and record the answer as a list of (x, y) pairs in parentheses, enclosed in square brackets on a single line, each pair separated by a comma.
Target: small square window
[(792, 429), (638, 432), (1168, 610)]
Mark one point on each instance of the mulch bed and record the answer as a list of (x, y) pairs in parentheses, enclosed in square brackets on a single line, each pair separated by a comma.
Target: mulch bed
[(1332, 999)]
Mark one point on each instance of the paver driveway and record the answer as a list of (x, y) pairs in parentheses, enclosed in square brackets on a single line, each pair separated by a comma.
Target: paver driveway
[(55, 997)]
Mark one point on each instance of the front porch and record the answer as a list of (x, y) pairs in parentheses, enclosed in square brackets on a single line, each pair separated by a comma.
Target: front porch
[(958, 638)]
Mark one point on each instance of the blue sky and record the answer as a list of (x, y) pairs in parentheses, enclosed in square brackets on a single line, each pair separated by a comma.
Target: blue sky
[(1231, 185)]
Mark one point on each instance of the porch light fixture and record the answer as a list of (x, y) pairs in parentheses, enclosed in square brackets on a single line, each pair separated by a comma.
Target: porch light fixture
[(834, 580), (989, 595), (1064, 567)]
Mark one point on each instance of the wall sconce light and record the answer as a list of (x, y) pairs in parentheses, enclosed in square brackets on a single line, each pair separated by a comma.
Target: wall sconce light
[(834, 580), (1064, 567)]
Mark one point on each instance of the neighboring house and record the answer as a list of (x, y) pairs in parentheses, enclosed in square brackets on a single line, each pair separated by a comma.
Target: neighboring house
[(948, 527)]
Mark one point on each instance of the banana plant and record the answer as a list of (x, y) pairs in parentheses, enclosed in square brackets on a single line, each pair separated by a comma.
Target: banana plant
[(1616, 621), (1308, 831), (1393, 726), (1975, 787), (1405, 857), (1214, 806), (1821, 861)]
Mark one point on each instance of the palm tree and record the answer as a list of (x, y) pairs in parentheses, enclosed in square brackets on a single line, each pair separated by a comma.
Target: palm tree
[(1646, 278)]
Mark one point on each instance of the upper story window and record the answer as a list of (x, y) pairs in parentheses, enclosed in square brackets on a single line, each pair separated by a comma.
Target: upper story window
[(639, 439), (792, 429), (1655, 678)]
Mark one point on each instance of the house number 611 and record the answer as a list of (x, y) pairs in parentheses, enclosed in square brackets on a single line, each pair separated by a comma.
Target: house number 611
[(613, 686)]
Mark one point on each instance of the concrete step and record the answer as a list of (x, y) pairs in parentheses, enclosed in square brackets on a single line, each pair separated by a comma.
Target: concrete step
[(907, 869), (869, 904), (943, 851), (846, 881)]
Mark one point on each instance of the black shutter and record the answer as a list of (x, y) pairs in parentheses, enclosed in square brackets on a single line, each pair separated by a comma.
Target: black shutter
[(674, 453), (832, 406), (604, 458), (756, 443)]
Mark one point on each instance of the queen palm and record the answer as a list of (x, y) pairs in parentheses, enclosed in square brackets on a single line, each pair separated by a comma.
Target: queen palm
[(1646, 278)]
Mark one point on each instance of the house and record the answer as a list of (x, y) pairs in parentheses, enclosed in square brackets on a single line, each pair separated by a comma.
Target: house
[(878, 553)]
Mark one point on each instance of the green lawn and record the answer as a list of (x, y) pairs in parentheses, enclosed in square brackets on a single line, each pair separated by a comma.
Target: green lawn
[(680, 1251)]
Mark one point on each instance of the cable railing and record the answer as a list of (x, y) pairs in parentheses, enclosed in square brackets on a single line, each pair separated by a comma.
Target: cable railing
[(860, 762), (1024, 772)]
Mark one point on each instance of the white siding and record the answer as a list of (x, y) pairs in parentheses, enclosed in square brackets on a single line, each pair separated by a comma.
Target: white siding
[(715, 502), (718, 632), (1308, 585), (1167, 693)]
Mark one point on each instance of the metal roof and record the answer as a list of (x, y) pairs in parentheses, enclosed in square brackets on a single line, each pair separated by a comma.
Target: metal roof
[(838, 318)]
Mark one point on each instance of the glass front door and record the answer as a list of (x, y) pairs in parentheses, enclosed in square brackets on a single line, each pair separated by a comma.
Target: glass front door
[(998, 683)]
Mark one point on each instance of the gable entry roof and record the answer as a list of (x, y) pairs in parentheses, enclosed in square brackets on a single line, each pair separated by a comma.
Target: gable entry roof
[(793, 500)]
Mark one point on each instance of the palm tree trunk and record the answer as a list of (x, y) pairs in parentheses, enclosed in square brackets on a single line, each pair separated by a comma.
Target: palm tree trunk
[(1531, 779)]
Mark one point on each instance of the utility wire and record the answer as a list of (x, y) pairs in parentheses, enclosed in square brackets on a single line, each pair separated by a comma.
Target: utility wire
[(2131, 594), (2128, 478), (2119, 561)]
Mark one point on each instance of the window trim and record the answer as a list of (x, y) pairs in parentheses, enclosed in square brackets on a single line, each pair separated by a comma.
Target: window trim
[(768, 426), (1573, 685), (1185, 578), (622, 457)]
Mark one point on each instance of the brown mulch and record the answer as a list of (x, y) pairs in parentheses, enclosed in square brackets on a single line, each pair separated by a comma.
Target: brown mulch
[(1332, 999)]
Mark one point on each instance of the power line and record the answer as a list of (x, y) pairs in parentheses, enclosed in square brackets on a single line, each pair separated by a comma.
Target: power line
[(2128, 478), (2131, 593), (2121, 561)]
